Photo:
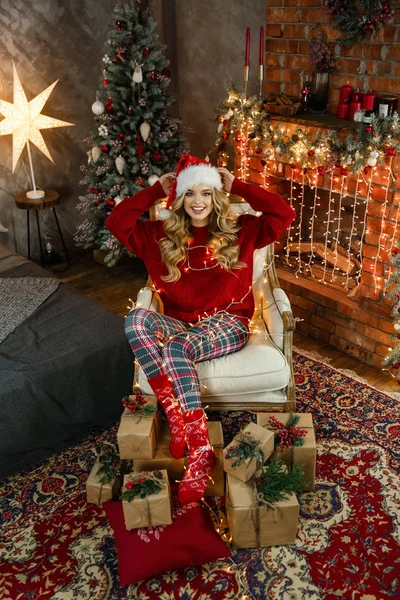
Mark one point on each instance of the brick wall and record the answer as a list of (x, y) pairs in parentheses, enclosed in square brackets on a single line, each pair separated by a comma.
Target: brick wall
[(373, 64)]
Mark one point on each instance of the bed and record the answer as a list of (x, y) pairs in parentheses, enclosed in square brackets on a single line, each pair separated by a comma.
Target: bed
[(63, 371)]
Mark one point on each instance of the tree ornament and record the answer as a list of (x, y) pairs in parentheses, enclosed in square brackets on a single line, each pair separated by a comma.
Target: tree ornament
[(152, 75), (219, 128), (137, 76), (145, 130), (225, 122), (109, 106), (110, 202), (259, 150), (343, 171), (374, 154), (321, 170), (311, 153), (152, 179), (337, 164), (397, 326), (366, 170), (356, 19), (139, 145), (225, 136), (157, 156), (263, 163), (96, 153), (166, 73), (228, 114), (278, 150), (97, 106), (372, 162), (368, 129), (146, 52), (293, 166), (140, 181), (356, 155), (105, 81), (130, 37), (130, 110), (121, 135), (105, 148), (120, 164)]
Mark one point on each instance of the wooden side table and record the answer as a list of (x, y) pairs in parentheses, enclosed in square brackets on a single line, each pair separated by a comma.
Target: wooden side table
[(49, 200)]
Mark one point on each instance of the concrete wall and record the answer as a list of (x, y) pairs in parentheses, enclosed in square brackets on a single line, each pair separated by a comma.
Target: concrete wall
[(65, 40)]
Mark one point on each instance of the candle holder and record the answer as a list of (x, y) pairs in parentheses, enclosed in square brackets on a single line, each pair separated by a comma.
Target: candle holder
[(246, 79), (261, 78)]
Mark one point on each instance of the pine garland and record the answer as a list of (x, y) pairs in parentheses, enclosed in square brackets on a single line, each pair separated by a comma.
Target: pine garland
[(110, 467), (244, 121), (277, 482), (244, 448), (356, 19), (143, 485), (392, 291)]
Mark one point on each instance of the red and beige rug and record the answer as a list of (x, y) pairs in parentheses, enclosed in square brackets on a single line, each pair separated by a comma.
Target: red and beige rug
[(54, 545)]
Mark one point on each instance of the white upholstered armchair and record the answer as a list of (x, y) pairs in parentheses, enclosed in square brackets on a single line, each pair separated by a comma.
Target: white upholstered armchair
[(260, 375)]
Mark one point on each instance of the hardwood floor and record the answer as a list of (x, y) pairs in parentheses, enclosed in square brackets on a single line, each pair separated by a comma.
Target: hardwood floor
[(112, 288)]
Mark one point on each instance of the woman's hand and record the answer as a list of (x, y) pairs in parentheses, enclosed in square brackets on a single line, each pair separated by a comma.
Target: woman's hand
[(167, 182), (227, 179)]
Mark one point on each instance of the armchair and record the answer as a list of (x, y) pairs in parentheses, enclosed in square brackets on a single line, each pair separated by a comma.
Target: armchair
[(260, 375)]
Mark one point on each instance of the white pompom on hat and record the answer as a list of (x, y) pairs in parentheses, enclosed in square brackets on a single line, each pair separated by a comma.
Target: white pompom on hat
[(191, 171)]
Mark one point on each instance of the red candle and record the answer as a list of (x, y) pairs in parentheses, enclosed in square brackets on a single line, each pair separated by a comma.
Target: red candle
[(247, 57), (345, 93), (368, 102), (342, 110), (261, 56)]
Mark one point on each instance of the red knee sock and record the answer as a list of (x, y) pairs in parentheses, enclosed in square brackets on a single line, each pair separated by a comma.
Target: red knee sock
[(163, 389), (201, 457)]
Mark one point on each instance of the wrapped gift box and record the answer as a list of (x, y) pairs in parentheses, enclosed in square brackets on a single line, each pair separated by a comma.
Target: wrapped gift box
[(254, 526), (306, 454), (248, 467), (137, 435), (97, 492), (175, 467), (151, 511)]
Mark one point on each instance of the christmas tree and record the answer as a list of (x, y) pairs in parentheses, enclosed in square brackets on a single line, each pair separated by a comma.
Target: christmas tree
[(392, 360), (135, 140)]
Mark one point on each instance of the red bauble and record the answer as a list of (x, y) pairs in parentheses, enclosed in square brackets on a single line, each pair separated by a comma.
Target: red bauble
[(105, 81), (93, 190), (140, 181), (366, 170), (311, 153), (109, 107), (395, 252), (152, 75), (225, 122), (294, 166), (337, 164), (258, 150), (220, 118), (321, 170), (225, 135), (96, 203), (343, 171), (263, 163), (121, 135), (391, 151), (368, 129), (110, 202), (118, 25), (105, 148), (130, 111), (156, 155), (146, 51)]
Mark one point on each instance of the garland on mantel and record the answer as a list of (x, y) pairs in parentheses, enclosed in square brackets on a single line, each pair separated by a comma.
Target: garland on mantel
[(356, 19), (245, 121)]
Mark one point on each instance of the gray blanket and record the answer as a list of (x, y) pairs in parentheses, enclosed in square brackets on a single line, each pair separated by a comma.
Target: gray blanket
[(20, 297), (63, 372)]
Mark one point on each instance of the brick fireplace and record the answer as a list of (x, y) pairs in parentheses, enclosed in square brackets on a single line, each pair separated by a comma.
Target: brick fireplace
[(349, 311)]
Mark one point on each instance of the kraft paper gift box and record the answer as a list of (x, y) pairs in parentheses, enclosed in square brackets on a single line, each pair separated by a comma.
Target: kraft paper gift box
[(305, 455), (151, 511), (97, 492), (175, 467), (254, 526), (137, 435), (248, 467)]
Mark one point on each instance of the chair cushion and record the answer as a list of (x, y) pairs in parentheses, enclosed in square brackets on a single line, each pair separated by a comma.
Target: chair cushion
[(258, 367)]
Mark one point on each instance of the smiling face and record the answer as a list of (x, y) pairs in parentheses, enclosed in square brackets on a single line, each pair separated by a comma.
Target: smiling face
[(198, 204)]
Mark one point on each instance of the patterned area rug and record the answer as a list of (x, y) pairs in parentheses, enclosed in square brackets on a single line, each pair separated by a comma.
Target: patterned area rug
[(54, 545)]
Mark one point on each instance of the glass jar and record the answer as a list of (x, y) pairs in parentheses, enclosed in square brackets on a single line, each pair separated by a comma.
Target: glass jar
[(359, 115), (383, 107), (368, 114)]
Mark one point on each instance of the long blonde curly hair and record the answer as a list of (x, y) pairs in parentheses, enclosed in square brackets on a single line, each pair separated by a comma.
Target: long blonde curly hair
[(222, 226)]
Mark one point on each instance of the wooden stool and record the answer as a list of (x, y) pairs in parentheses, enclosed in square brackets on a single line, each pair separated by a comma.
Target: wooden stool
[(49, 200)]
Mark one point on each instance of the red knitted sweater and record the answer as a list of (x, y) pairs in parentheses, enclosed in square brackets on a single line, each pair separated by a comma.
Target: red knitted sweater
[(200, 293)]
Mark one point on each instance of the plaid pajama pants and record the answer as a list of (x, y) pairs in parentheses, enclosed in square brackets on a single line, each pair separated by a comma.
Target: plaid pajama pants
[(164, 345)]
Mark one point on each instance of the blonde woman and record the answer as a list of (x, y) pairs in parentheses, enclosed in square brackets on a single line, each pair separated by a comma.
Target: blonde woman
[(200, 259)]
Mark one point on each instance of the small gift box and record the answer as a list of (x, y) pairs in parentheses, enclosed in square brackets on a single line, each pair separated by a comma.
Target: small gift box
[(175, 467), (265, 511), (248, 451), (105, 479), (137, 432), (294, 441), (146, 500)]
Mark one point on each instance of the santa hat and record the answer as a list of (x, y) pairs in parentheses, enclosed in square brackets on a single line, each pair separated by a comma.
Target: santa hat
[(191, 171)]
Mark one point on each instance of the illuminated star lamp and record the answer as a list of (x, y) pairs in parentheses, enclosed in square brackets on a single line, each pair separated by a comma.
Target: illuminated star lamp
[(24, 121)]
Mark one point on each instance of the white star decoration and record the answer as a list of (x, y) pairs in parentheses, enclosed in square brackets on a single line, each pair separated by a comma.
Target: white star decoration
[(24, 121)]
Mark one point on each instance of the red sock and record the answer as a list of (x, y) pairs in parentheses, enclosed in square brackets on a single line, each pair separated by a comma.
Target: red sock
[(201, 457), (163, 389)]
